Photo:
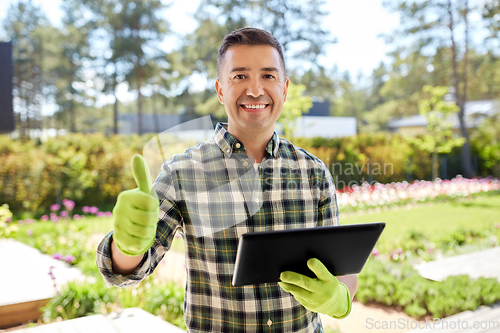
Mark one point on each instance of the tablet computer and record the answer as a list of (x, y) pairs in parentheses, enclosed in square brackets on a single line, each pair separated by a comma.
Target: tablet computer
[(262, 256)]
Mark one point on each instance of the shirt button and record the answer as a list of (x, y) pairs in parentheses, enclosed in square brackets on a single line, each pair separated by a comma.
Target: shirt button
[(269, 322), (238, 145), (245, 163), (227, 151), (257, 200)]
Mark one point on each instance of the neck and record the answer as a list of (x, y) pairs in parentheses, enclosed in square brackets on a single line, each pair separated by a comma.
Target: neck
[(255, 143)]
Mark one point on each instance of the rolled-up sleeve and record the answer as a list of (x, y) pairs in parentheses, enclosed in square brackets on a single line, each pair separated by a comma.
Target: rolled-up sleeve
[(105, 266), (170, 220)]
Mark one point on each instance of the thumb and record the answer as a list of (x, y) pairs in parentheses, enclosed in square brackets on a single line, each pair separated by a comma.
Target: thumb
[(319, 269), (141, 173)]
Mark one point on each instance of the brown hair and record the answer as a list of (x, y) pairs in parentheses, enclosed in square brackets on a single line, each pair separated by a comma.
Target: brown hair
[(251, 36)]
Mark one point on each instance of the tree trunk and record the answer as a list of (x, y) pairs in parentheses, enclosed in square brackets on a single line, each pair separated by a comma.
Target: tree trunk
[(115, 107), (466, 153), (115, 114), (435, 165), (155, 112), (72, 115), (139, 99)]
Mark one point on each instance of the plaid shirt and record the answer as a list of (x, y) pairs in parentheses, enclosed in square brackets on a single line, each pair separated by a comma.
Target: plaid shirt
[(212, 195)]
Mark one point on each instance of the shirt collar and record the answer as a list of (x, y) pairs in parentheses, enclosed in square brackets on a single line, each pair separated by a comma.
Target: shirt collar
[(228, 143)]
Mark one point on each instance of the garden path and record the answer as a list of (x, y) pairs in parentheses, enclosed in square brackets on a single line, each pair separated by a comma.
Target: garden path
[(486, 319), (485, 263)]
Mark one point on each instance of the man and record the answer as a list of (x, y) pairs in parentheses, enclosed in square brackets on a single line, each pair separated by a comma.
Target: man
[(244, 179)]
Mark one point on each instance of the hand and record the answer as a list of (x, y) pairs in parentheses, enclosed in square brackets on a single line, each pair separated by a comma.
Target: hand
[(325, 294), (136, 212)]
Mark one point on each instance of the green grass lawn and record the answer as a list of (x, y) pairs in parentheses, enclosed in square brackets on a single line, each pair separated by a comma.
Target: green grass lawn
[(436, 220)]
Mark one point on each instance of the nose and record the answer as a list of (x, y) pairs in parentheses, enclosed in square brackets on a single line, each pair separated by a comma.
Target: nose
[(255, 88)]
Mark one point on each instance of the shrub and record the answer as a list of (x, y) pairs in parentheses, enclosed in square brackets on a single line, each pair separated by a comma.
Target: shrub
[(400, 285)]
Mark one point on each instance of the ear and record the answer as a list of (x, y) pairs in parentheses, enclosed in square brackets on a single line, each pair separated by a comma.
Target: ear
[(218, 89), (285, 91)]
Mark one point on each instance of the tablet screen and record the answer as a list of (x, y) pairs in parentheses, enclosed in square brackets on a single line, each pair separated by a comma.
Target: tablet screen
[(262, 256)]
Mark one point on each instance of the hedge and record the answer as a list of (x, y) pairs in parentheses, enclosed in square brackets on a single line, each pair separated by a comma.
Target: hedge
[(92, 169)]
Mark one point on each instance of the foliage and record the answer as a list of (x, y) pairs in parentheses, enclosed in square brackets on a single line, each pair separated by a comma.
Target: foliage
[(437, 111), (78, 300), (400, 285), (486, 141), (5, 217), (93, 169), (295, 106)]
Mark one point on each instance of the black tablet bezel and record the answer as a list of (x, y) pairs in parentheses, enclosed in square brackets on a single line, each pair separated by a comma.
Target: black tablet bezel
[(342, 249)]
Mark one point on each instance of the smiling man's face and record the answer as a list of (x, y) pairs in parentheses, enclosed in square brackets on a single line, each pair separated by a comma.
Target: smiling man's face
[(252, 88)]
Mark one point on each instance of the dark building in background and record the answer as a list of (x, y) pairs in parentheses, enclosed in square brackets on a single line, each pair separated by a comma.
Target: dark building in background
[(319, 109), (6, 110)]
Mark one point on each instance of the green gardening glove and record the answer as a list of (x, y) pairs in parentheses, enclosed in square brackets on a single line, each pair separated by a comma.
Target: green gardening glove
[(325, 294), (136, 212)]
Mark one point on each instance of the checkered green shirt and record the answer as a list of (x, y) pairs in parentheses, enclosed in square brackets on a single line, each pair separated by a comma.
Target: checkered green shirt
[(212, 195)]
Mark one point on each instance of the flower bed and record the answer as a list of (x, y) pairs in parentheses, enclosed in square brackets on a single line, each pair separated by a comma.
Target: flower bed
[(381, 195)]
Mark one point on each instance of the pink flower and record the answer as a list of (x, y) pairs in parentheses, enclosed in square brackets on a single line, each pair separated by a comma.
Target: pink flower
[(82, 217), (69, 258), (69, 204), (44, 218), (57, 256), (93, 210), (85, 209), (76, 217), (55, 207), (20, 222), (109, 214), (64, 213), (9, 220), (100, 214), (375, 252), (399, 251)]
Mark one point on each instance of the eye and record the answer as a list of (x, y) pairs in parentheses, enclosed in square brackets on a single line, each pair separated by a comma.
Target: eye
[(269, 76), (239, 76)]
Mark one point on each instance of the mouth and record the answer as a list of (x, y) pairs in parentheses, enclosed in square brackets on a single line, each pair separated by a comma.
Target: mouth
[(254, 107)]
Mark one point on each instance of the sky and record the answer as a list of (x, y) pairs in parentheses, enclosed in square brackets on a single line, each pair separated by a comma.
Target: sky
[(355, 24)]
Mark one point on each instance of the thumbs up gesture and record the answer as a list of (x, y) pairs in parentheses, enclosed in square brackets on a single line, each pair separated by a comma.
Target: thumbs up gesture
[(136, 212)]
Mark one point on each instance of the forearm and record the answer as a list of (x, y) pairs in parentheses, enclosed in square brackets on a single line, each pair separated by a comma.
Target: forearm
[(123, 264), (351, 282)]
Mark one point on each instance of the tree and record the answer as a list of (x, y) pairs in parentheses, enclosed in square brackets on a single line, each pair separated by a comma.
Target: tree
[(295, 106), (296, 24), (437, 111), (320, 83), (134, 30), (29, 30), (69, 70), (435, 23), (109, 65)]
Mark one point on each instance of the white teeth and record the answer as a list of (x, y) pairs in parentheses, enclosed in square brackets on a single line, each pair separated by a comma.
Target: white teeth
[(255, 106)]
